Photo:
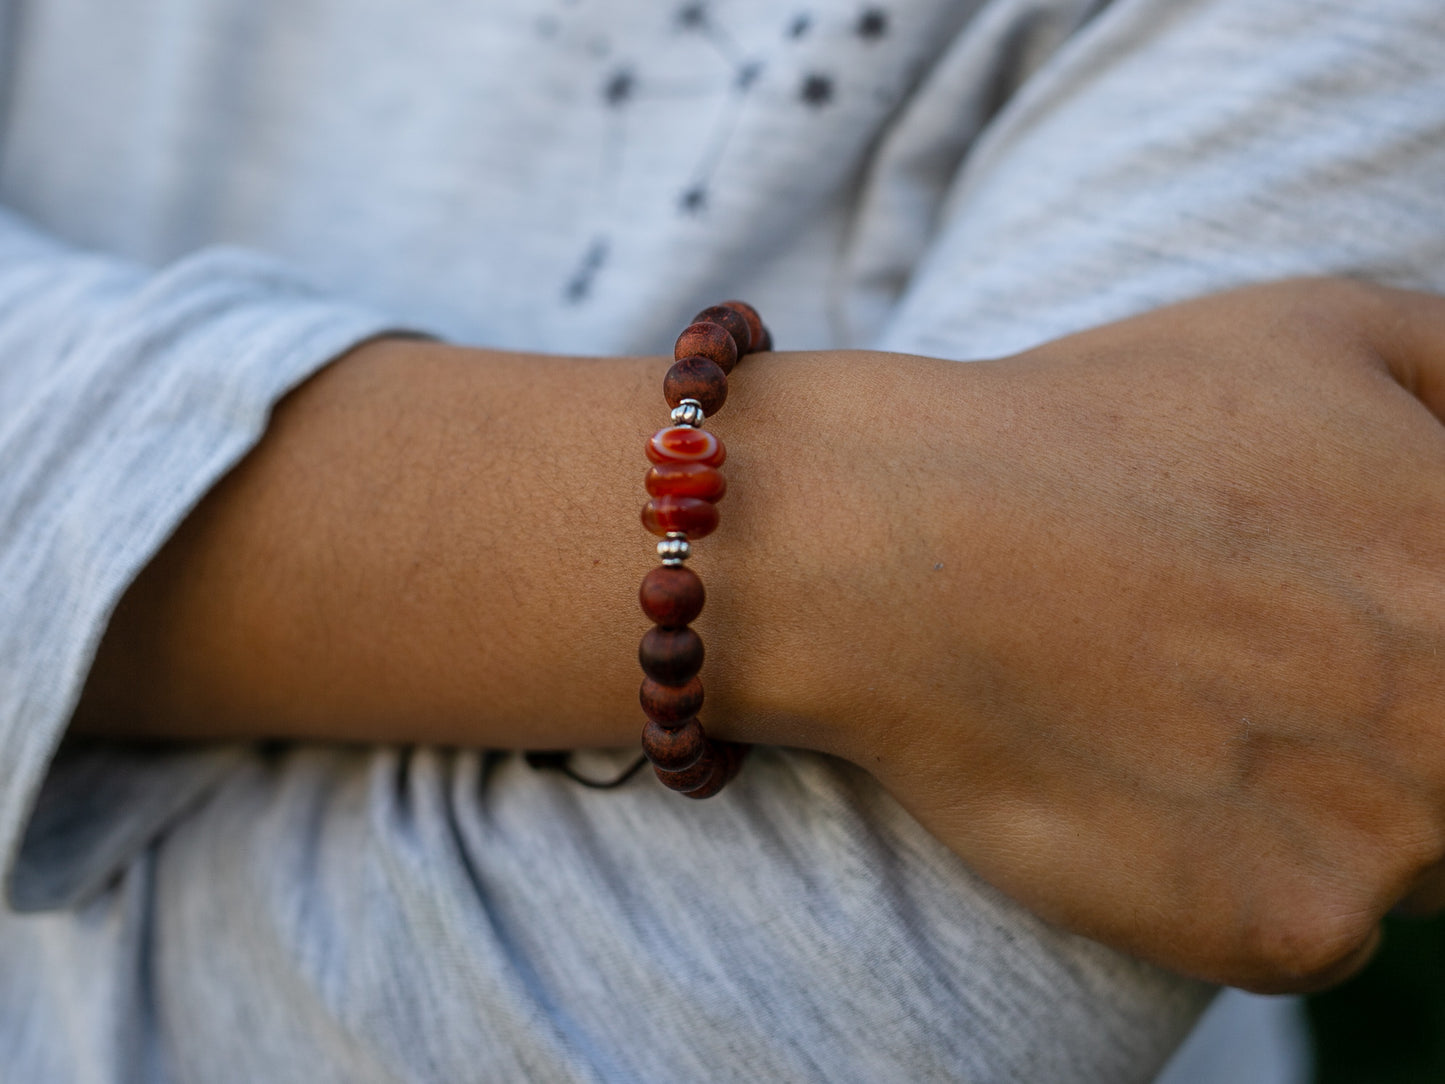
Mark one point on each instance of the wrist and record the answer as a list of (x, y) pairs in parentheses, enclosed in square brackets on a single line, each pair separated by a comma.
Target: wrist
[(847, 539)]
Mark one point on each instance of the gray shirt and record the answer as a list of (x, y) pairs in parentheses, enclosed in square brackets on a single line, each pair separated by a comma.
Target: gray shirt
[(205, 202)]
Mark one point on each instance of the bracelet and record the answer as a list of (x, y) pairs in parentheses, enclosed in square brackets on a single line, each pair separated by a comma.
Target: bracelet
[(685, 486)]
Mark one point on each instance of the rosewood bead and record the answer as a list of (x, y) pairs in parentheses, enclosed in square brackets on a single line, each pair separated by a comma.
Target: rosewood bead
[(764, 343), (694, 776), (731, 321), (728, 757), (670, 705), (670, 656), (754, 322), (696, 378), (686, 480), (715, 781), (710, 341), (672, 597), (684, 444), (689, 515), (673, 750)]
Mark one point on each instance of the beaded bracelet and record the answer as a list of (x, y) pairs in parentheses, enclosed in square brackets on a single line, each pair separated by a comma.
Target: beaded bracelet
[(685, 486)]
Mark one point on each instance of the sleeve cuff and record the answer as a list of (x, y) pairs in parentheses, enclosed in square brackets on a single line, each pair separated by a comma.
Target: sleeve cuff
[(160, 394)]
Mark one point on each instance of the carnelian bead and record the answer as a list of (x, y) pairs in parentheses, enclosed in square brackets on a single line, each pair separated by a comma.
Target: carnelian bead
[(675, 749), (670, 656), (731, 321), (693, 517), (686, 480), (707, 340), (754, 322), (670, 705), (691, 778), (672, 596), (684, 444), (696, 378)]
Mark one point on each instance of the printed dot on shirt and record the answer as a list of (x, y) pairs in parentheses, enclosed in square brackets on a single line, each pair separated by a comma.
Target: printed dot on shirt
[(693, 200), (872, 24), (619, 87), (692, 16), (816, 90)]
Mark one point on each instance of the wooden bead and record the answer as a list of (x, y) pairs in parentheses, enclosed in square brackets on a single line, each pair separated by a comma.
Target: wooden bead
[(684, 444), (731, 321), (670, 656), (764, 343), (673, 750), (670, 704), (696, 378), (754, 322), (686, 480), (689, 515), (692, 777), (729, 758), (707, 340), (672, 597)]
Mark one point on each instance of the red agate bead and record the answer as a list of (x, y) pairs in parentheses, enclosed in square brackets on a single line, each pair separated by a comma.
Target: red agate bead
[(686, 480), (693, 517), (684, 444)]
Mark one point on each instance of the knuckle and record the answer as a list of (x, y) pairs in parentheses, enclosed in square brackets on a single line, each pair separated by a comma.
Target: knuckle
[(1301, 946), (1332, 307)]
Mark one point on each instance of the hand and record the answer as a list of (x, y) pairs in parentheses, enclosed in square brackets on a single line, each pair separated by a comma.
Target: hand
[(1148, 624)]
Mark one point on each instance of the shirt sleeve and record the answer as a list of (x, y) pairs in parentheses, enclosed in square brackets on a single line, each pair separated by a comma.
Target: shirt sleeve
[(125, 394), (1161, 152)]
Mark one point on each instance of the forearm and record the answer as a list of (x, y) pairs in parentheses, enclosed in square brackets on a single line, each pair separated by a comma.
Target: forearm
[(430, 544), (436, 544)]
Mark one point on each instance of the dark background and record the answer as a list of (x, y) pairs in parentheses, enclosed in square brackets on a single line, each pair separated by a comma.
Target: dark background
[(1387, 1025)]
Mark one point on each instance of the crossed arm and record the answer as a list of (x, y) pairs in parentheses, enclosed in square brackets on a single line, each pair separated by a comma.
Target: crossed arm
[(1144, 623)]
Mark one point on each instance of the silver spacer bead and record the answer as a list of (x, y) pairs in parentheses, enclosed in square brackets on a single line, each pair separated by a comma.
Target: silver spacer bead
[(674, 549), (689, 413)]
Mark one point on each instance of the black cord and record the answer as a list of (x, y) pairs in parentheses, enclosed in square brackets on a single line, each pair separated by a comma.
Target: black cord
[(554, 761)]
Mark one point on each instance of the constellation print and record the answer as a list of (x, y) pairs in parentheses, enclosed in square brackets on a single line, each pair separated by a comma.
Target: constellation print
[(695, 16), (580, 284), (693, 199), (872, 24), (748, 75), (816, 90), (619, 87), (626, 86), (692, 16)]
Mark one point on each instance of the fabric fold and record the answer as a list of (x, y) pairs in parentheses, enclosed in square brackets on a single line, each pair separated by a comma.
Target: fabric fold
[(125, 394)]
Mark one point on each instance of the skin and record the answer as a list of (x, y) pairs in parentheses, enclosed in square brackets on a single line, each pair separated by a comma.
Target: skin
[(1145, 624)]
